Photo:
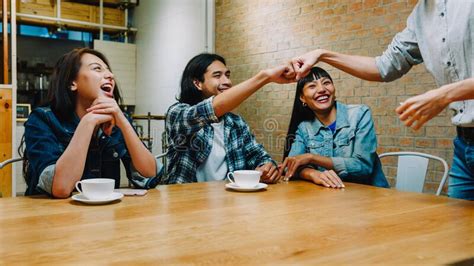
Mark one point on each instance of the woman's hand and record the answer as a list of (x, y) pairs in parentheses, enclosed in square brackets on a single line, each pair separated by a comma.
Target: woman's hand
[(293, 163), (328, 178), (98, 119), (105, 105)]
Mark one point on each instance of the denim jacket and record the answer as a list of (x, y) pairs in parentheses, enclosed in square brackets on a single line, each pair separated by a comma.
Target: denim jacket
[(46, 139), (352, 147)]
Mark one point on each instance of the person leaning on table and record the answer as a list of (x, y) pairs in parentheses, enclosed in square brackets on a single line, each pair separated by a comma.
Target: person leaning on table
[(329, 142), (81, 133), (440, 34)]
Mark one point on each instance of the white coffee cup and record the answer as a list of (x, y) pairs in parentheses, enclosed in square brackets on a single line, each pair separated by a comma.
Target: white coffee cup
[(96, 188), (244, 178)]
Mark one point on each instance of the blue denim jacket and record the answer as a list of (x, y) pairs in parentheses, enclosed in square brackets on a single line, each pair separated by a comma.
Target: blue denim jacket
[(46, 139), (352, 147)]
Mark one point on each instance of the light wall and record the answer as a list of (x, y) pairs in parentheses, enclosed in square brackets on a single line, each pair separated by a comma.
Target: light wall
[(170, 33), (123, 60)]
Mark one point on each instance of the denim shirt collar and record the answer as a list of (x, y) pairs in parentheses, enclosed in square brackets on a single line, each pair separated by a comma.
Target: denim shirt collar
[(341, 118)]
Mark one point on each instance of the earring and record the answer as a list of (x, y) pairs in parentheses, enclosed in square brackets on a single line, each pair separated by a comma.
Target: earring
[(305, 105)]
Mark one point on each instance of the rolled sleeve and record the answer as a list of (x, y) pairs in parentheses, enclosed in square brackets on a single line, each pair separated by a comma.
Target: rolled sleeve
[(361, 162), (140, 181), (339, 166), (45, 181), (255, 154), (43, 149), (402, 53)]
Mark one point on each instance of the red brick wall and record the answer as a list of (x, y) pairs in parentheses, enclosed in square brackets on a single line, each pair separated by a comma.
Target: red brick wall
[(256, 34)]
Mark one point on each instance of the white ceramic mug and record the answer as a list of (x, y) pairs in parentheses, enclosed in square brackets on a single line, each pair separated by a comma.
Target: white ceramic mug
[(96, 188), (244, 178)]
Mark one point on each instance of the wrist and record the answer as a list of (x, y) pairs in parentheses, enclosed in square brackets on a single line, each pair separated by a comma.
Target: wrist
[(322, 54), (314, 175), (121, 121), (88, 121), (447, 93), (262, 78), (314, 159)]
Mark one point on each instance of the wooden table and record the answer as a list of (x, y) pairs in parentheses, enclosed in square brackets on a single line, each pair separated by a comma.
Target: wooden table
[(203, 223)]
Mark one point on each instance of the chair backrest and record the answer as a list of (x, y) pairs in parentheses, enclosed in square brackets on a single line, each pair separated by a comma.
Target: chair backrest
[(412, 168), (9, 161)]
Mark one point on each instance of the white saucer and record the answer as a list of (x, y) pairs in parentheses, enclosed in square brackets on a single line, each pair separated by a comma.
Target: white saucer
[(235, 187), (113, 196)]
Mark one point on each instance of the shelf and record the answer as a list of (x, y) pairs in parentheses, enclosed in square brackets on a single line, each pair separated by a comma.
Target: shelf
[(108, 3), (146, 117), (35, 71)]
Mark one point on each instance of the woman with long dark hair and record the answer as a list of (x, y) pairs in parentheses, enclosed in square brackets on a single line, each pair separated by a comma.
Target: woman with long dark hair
[(328, 142), (80, 132)]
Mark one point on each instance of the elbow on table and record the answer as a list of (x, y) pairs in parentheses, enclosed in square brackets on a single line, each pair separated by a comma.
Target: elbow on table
[(60, 193)]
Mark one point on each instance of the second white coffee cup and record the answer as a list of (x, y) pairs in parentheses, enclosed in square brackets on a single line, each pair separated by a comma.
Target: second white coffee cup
[(96, 188), (244, 178)]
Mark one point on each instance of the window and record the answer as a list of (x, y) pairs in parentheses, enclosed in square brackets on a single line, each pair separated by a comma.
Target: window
[(55, 33)]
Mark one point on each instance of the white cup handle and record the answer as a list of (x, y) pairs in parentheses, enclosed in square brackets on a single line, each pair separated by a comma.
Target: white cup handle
[(77, 187), (229, 174)]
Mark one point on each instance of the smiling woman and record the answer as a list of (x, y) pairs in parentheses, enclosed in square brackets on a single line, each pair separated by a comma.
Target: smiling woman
[(329, 142), (80, 132)]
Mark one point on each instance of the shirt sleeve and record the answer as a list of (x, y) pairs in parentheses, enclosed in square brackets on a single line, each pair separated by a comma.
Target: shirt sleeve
[(184, 120), (140, 181), (255, 153), (401, 54), (361, 163), (43, 149), (299, 144), (299, 147), (45, 182)]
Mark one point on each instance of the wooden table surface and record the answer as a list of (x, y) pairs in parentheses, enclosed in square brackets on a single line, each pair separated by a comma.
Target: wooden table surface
[(294, 223)]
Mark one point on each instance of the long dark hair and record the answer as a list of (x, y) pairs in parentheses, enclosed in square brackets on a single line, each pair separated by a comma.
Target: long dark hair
[(301, 113), (195, 70), (61, 98)]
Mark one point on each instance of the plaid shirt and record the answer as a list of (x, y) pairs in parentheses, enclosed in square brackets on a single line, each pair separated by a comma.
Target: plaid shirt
[(190, 138)]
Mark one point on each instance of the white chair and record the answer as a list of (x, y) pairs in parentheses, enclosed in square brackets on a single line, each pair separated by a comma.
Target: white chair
[(412, 168)]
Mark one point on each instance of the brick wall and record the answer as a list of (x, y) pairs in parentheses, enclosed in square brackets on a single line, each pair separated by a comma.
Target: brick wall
[(255, 34)]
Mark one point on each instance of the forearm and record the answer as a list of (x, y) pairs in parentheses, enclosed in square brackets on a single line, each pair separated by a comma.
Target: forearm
[(233, 97), (322, 161), (363, 67), (142, 160), (307, 174), (70, 166), (458, 91)]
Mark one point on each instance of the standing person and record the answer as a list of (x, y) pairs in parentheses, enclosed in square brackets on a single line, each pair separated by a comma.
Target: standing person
[(206, 140), (440, 34), (328, 142), (81, 133)]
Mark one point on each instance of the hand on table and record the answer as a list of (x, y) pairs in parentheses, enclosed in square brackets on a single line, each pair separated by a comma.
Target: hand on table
[(270, 173)]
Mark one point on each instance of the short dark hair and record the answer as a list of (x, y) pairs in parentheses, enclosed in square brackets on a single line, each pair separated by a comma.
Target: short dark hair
[(195, 70), (61, 98), (301, 113)]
